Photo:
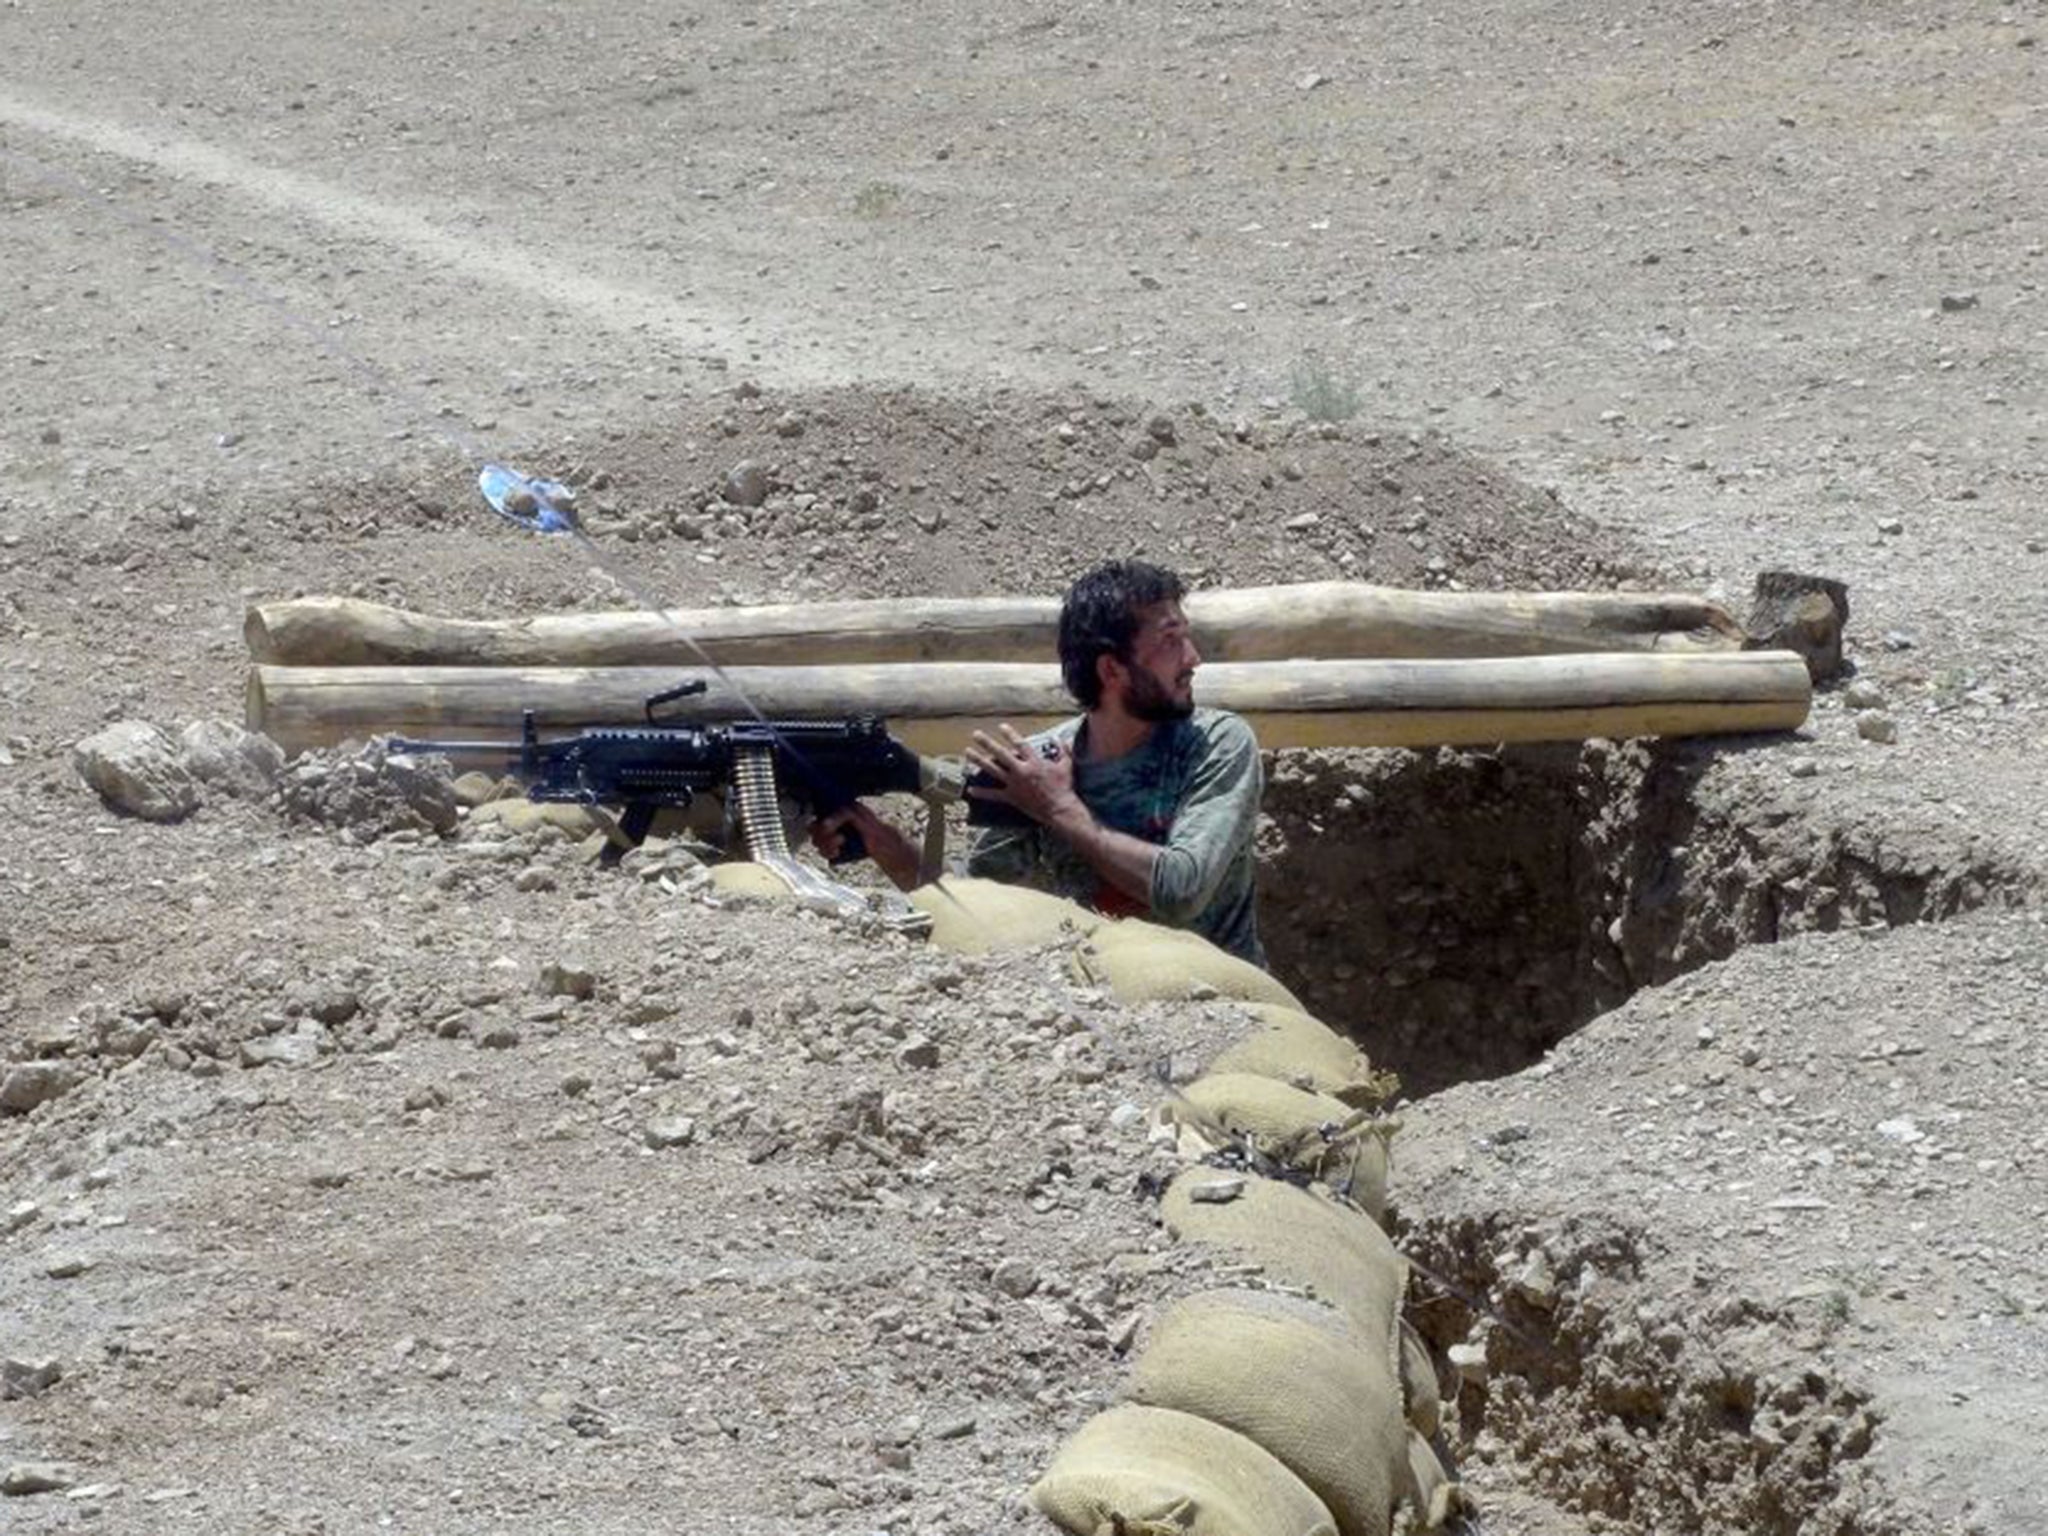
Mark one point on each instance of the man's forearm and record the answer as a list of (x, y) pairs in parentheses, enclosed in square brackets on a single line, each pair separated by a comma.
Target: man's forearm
[(895, 855), (1125, 861)]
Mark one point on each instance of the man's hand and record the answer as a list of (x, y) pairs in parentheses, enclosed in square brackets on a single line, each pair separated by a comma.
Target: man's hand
[(886, 846), (1042, 787)]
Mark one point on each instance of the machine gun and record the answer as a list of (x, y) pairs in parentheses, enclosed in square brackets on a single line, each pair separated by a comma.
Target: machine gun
[(823, 764)]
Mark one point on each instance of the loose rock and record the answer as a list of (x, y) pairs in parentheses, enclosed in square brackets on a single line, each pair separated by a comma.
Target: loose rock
[(27, 1477), (235, 761), (31, 1083), (566, 979), (370, 793), (1534, 1282), (137, 769), (919, 1052), (1014, 1277), (676, 1131), (28, 1378), (746, 484)]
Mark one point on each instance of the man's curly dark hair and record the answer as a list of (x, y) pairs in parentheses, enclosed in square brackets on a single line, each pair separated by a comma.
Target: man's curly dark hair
[(1100, 617)]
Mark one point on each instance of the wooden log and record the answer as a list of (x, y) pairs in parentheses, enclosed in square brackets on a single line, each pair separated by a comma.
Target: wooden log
[(1328, 619), (934, 706)]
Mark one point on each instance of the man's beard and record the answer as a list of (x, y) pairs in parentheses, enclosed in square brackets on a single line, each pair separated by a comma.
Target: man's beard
[(1149, 700)]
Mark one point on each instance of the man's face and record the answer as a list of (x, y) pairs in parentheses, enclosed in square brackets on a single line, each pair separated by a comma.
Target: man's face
[(1158, 682)]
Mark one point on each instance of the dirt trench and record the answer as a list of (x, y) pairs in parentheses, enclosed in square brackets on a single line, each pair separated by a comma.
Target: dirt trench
[(1462, 912)]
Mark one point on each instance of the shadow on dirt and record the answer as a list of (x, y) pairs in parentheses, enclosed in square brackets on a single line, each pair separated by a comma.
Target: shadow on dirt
[(1462, 912)]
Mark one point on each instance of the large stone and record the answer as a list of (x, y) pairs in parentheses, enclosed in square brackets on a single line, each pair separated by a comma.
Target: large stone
[(746, 484), (675, 1131), (226, 757), (329, 1001), (138, 770), (30, 1083), (28, 1378), (568, 978), (31, 1477), (300, 1048)]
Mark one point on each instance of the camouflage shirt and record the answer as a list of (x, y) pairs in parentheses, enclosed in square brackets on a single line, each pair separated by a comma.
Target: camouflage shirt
[(1193, 788)]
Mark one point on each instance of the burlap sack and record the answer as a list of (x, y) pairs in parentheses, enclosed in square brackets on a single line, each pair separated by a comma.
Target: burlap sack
[(1419, 1389), (1302, 1240), (473, 789), (1295, 1048), (1304, 1131), (742, 877), (1138, 961), (976, 916), (580, 821), (1133, 1471), (1430, 1491), (526, 815), (1298, 1379)]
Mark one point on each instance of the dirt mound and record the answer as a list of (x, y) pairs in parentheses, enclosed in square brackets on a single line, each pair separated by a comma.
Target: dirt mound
[(758, 496), (859, 492)]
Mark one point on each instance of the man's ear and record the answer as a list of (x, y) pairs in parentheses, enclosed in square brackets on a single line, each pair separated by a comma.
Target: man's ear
[(1111, 673)]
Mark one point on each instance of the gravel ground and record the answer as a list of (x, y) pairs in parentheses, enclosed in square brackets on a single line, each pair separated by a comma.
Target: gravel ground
[(1657, 294)]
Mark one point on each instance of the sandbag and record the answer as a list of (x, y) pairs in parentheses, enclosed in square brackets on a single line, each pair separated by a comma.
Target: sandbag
[(1420, 1393), (1294, 1376), (1303, 1240), (1139, 962), (1295, 1048), (1136, 1471), (580, 821), (742, 877), (1310, 1133), (1431, 1493), (975, 916), (528, 815), (474, 789)]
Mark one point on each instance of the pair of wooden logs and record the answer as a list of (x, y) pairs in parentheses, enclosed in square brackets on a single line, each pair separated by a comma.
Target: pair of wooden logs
[(1324, 664)]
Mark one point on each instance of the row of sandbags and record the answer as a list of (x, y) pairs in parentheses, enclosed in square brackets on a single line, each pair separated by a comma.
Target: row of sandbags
[(1302, 1407)]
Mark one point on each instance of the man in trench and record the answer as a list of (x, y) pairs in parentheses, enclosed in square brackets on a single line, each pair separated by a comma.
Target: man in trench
[(1144, 805)]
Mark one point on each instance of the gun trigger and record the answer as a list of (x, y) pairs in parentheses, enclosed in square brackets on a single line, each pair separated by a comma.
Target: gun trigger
[(852, 847)]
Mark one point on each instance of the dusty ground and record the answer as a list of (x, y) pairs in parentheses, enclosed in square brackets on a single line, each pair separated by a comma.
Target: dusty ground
[(1614, 295)]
